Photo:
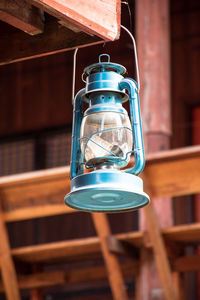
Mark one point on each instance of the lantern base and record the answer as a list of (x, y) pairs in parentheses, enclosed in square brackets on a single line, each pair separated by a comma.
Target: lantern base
[(107, 191)]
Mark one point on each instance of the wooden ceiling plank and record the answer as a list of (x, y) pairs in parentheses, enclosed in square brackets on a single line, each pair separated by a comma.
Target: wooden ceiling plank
[(53, 278), (89, 247), (187, 263), (70, 250), (183, 234), (22, 15), (18, 46), (70, 277), (101, 18)]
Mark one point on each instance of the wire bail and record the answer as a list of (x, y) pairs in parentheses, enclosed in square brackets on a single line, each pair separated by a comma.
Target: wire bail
[(135, 55)]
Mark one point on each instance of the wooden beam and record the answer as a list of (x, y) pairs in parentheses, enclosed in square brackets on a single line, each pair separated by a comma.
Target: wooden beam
[(178, 282), (173, 249), (160, 254), (183, 234), (55, 39), (37, 293), (113, 267), (85, 248), (41, 193), (173, 173), (123, 248), (37, 194), (101, 18), (69, 277), (186, 263), (173, 154), (90, 247), (8, 272), (22, 15)]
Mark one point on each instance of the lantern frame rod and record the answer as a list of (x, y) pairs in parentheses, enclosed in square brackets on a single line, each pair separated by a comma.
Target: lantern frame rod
[(76, 166), (135, 56)]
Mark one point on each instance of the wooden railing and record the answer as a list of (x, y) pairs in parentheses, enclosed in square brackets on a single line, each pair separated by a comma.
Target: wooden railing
[(40, 194)]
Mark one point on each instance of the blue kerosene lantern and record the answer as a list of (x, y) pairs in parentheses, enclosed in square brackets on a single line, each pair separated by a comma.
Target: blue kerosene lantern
[(103, 140)]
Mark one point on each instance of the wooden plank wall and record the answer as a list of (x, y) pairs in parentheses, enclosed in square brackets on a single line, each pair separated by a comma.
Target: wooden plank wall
[(40, 93), (185, 35), (185, 54)]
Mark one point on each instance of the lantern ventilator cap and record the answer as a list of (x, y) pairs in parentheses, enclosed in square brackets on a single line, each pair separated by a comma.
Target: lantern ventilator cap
[(103, 76)]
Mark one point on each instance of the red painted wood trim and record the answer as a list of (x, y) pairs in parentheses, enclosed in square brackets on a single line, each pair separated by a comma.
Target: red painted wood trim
[(104, 22)]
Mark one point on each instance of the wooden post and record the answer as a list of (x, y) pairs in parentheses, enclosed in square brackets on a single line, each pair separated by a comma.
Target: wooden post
[(160, 254), (36, 294), (113, 267), (178, 282), (8, 272), (152, 28)]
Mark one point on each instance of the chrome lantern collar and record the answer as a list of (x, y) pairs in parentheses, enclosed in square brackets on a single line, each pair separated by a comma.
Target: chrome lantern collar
[(103, 139)]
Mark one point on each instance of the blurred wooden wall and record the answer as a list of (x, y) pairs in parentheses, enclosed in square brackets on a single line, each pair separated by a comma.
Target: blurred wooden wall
[(36, 95), (185, 78)]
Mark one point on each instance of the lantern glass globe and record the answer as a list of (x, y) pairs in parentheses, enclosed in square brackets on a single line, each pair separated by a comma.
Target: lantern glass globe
[(106, 134)]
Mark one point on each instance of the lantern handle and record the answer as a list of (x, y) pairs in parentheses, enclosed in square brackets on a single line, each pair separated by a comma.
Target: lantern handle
[(74, 74), (131, 86), (104, 55), (135, 56)]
